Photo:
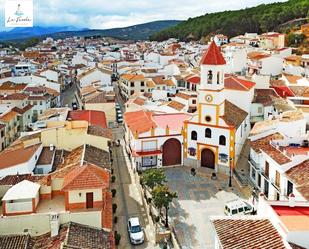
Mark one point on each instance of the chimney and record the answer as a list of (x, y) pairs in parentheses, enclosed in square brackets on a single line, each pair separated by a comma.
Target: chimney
[(291, 200), (54, 224)]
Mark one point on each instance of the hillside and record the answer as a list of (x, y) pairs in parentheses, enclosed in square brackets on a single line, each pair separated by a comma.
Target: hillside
[(262, 18), (24, 33), (136, 32)]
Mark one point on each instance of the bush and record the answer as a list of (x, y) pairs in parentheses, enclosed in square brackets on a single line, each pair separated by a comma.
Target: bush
[(115, 219), (114, 207), (117, 238), (114, 192), (113, 178)]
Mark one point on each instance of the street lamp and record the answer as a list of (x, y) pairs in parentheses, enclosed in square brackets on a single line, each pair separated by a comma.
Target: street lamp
[(230, 177)]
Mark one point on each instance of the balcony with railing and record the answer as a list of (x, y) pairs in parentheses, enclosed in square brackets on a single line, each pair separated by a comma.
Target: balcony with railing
[(254, 164), (275, 183)]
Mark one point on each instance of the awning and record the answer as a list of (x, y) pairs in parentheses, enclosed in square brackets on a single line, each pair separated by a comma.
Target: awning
[(146, 153)]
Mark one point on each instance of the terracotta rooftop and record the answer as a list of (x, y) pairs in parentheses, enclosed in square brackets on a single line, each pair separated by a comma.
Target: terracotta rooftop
[(15, 242), (257, 55), (183, 95), (263, 144), (292, 79), (299, 175), (87, 176), (15, 96), (264, 96), (139, 101), (176, 105), (235, 83), (12, 86), (233, 115), (93, 117), (236, 233), (23, 110), (97, 156), (213, 56), (8, 116), (9, 158), (100, 131), (133, 77), (139, 121), (194, 79), (99, 97), (73, 235)]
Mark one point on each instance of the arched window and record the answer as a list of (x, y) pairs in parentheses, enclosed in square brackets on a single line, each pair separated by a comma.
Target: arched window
[(222, 140), (218, 78), (208, 132), (193, 135), (209, 77)]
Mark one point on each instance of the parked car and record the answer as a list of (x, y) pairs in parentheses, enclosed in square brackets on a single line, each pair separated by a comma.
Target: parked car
[(238, 207), (74, 106), (136, 233)]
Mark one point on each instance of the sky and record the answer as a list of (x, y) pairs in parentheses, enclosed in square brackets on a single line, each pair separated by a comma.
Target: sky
[(104, 14)]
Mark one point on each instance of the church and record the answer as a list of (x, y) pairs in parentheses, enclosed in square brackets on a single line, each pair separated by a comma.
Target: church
[(213, 138)]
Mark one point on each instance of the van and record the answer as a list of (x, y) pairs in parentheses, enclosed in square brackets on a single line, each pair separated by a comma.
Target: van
[(238, 207)]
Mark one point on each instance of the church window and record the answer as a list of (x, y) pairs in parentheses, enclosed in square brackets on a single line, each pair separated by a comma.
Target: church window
[(208, 118), (209, 77), (193, 135), (218, 78), (222, 140), (208, 132)]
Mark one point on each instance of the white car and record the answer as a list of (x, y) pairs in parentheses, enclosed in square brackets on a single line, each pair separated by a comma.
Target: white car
[(238, 207), (136, 233)]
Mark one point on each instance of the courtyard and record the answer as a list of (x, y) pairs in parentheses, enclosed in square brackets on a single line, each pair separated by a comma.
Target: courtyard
[(199, 197)]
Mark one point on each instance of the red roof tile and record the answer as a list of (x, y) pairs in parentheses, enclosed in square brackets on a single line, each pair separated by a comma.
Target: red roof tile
[(93, 117), (234, 233), (213, 56), (235, 83), (9, 158), (87, 176), (194, 80), (139, 121)]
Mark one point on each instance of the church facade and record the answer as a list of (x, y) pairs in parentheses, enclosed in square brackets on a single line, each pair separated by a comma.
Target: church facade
[(213, 138)]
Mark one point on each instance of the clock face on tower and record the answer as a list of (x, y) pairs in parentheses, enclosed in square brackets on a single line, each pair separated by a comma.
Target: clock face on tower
[(208, 98)]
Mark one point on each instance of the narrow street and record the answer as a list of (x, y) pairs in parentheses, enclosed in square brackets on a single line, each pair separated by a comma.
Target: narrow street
[(128, 198), (68, 96)]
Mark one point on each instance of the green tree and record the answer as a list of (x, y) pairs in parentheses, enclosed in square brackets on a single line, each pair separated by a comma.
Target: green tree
[(153, 177), (295, 39), (162, 197)]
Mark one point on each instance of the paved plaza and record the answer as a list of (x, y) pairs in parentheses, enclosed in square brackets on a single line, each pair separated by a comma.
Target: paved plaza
[(199, 197)]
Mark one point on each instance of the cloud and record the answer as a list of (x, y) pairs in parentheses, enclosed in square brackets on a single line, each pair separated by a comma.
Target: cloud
[(121, 13)]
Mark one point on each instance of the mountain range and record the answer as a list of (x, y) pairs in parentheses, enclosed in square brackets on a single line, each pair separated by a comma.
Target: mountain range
[(135, 32)]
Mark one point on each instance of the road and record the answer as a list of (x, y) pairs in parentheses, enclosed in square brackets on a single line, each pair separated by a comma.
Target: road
[(68, 96), (128, 197)]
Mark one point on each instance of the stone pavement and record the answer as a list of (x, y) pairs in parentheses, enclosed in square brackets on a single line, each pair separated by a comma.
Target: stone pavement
[(199, 197)]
